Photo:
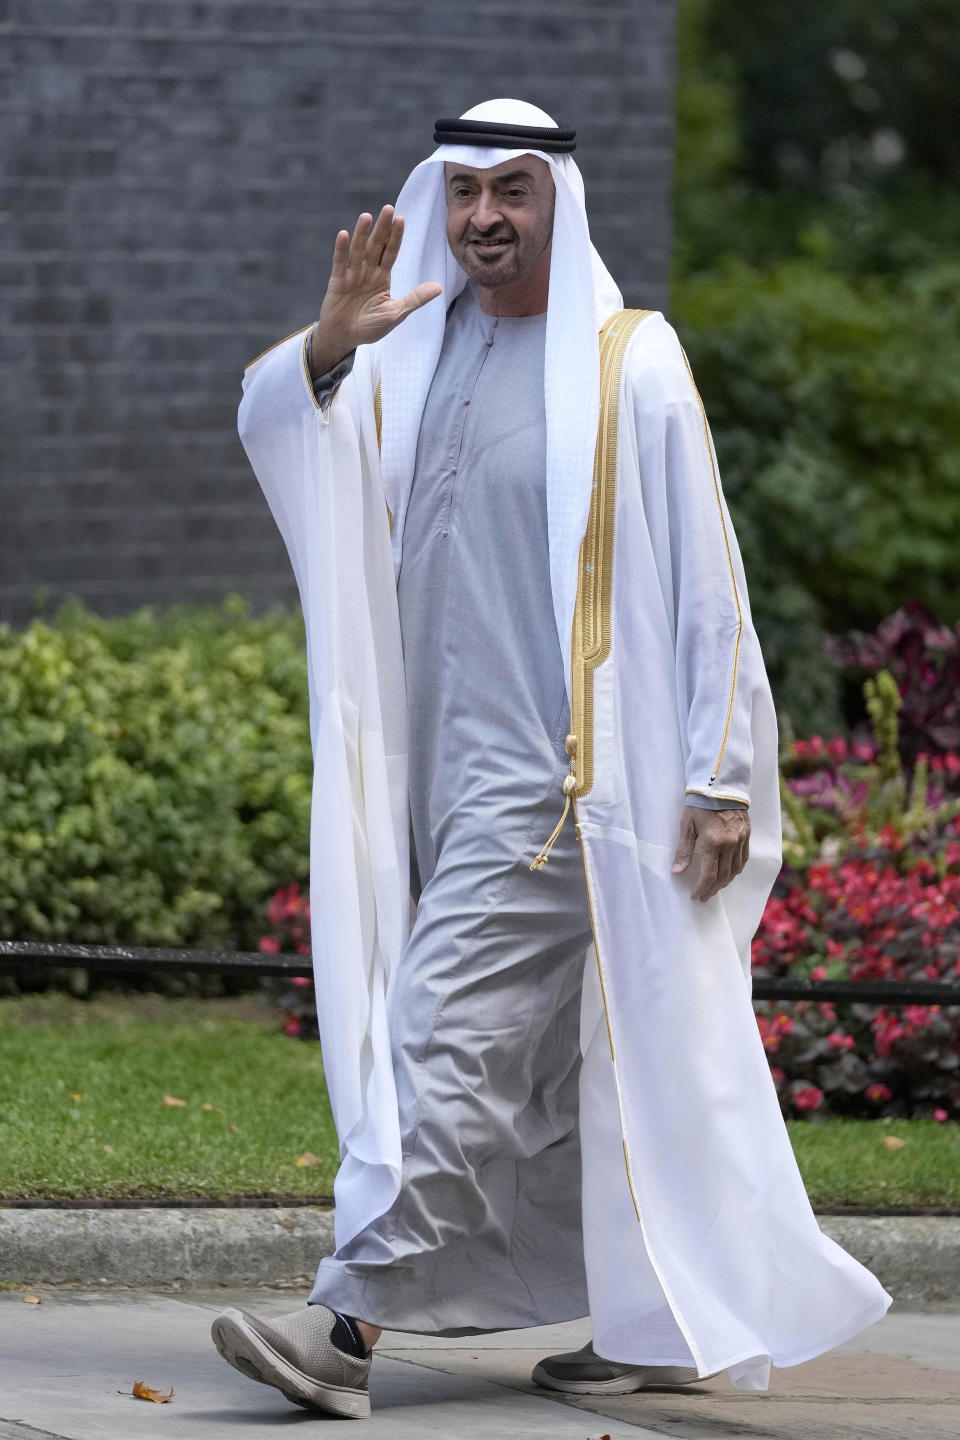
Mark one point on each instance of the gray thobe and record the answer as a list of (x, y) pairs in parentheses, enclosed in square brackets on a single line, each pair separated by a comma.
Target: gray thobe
[(485, 1233)]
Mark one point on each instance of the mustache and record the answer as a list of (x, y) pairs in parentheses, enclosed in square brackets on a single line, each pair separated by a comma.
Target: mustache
[(500, 233)]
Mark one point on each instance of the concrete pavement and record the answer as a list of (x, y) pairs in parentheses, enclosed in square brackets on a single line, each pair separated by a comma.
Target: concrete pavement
[(64, 1361)]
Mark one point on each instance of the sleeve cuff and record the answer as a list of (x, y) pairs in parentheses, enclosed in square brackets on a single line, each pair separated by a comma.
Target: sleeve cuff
[(325, 385), (715, 802)]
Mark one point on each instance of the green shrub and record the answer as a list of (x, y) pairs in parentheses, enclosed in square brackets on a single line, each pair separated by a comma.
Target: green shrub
[(835, 407), (155, 775)]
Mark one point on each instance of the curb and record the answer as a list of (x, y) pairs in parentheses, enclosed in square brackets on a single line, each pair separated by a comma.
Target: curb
[(916, 1258), (165, 1249)]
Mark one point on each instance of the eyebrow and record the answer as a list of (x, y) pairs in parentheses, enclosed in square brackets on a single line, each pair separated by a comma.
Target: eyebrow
[(510, 179)]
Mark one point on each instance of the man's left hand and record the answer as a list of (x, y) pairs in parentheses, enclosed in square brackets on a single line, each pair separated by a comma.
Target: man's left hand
[(724, 837)]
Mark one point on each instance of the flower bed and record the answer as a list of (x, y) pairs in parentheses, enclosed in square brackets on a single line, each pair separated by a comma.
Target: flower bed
[(869, 890)]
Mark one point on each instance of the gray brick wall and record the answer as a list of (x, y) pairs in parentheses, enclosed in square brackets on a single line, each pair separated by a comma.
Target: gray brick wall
[(173, 174)]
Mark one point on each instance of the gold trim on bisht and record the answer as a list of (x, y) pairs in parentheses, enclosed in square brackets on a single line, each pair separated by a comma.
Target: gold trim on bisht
[(301, 331), (591, 639), (378, 417)]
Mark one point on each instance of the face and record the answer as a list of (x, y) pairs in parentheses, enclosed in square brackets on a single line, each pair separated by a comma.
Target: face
[(499, 221)]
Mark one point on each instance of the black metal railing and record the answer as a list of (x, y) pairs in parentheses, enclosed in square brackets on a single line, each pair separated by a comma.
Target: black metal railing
[(29, 954)]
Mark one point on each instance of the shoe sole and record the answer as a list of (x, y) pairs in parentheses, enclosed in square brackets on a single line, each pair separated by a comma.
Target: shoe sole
[(641, 1378), (249, 1353)]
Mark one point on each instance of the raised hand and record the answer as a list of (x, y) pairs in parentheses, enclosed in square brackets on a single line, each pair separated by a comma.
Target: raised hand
[(358, 307)]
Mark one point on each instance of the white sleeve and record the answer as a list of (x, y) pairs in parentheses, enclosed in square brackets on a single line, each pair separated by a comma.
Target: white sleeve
[(719, 665)]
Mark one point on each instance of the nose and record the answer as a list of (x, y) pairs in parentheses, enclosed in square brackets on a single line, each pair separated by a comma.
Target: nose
[(487, 212)]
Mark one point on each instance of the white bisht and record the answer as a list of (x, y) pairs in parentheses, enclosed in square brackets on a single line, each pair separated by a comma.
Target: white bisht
[(700, 1243)]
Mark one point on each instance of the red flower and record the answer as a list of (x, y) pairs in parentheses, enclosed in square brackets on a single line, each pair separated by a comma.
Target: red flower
[(808, 1097), (292, 1027), (877, 1092)]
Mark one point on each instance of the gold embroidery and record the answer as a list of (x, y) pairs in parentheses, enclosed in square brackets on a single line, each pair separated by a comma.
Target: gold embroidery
[(592, 612), (591, 637), (733, 580)]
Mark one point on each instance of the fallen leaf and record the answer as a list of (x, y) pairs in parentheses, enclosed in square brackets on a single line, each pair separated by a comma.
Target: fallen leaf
[(172, 1102), (143, 1392), (206, 1105), (235, 1128), (32, 1300), (76, 1094), (287, 1221), (308, 1158), (881, 1182), (893, 1142), (109, 1150)]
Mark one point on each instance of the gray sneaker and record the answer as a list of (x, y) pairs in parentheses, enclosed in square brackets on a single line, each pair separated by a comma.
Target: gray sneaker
[(296, 1354), (584, 1372)]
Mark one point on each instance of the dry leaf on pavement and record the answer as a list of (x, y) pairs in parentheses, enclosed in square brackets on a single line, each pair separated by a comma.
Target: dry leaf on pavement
[(172, 1102), (32, 1300), (143, 1392), (308, 1158)]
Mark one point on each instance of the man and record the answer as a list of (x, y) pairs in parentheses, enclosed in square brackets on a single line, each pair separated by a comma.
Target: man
[(521, 586)]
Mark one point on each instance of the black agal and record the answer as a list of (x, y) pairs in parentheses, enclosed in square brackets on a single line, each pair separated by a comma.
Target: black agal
[(504, 137)]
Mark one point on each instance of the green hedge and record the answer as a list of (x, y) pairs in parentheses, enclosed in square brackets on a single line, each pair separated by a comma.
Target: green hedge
[(154, 775), (835, 406)]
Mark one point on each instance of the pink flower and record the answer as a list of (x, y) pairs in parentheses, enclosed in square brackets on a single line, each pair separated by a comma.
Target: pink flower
[(808, 1097), (777, 1075), (940, 1115), (270, 945), (292, 1027), (877, 1092), (819, 972), (840, 1041), (301, 980)]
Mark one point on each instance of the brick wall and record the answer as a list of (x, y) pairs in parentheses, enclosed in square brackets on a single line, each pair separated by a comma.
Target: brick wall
[(173, 174)]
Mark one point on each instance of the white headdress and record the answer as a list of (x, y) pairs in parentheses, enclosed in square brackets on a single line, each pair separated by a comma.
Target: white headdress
[(582, 296)]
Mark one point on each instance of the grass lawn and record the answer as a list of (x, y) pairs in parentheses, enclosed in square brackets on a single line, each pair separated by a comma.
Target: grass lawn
[(82, 1085), (77, 1077)]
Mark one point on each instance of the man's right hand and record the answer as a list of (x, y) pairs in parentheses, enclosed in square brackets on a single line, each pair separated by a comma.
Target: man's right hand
[(358, 308)]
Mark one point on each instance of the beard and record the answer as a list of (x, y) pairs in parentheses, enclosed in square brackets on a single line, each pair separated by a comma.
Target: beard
[(510, 259)]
